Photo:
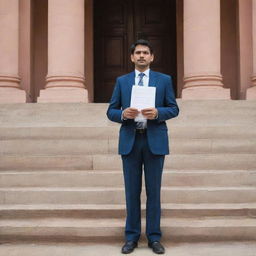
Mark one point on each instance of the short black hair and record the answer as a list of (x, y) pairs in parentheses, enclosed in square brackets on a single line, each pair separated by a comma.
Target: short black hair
[(142, 42)]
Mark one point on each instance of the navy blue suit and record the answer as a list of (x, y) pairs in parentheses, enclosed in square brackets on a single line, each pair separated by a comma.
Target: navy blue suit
[(146, 150)]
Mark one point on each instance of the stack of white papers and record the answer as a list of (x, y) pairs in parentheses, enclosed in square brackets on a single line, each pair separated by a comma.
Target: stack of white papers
[(142, 97)]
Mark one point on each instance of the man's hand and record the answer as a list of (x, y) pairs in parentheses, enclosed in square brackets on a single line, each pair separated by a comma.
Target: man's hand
[(130, 113), (149, 113)]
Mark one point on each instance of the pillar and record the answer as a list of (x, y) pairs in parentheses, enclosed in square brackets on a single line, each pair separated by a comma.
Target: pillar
[(10, 90), (251, 92), (202, 76), (65, 80)]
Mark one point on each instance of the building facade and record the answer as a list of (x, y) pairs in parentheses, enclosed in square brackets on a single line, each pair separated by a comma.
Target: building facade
[(72, 51)]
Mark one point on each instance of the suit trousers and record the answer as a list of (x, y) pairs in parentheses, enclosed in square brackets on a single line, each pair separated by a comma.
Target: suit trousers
[(133, 164)]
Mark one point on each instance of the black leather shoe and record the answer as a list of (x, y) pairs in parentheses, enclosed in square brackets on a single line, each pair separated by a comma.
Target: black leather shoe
[(157, 247), (129, 246)]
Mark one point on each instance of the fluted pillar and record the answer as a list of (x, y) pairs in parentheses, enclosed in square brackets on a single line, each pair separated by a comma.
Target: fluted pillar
[(65, 80), (10, 90), (202, 75), (251, 92)]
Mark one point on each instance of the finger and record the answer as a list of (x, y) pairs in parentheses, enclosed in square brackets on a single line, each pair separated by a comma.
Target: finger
[(133, 109), (147, 112), (134, 113), (147, 109)]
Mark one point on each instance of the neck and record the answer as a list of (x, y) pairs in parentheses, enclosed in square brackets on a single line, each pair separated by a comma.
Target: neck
[(142, 69)]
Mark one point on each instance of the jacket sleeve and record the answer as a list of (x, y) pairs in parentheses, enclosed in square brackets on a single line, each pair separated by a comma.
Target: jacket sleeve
[(114, 112), (170, 108)]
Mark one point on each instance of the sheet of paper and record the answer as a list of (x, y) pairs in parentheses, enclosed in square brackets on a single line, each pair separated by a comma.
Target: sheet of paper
[(142, 97)]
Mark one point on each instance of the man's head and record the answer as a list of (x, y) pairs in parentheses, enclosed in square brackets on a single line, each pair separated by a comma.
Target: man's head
[(142, 54)]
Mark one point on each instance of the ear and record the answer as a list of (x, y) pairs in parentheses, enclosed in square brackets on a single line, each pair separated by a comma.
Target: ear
[(152, 58), (132, 58)]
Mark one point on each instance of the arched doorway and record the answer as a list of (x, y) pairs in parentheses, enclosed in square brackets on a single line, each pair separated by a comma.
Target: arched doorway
[(117, 24)]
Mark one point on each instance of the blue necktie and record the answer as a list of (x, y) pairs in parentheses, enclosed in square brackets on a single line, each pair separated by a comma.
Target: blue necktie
[(141, 75), (141, 125)]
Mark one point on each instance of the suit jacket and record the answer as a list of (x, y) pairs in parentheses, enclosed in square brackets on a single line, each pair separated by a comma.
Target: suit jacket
[(157, 133)]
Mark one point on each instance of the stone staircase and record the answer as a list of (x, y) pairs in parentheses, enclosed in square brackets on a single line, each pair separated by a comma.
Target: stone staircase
[(61, 177)]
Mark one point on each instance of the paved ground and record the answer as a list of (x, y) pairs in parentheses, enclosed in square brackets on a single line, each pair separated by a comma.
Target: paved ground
[(81, 249)]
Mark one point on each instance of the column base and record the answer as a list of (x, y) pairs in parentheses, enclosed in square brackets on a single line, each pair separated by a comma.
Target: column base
[(12, 95), (9, 81), (205, 93), (251, 93), (63, 94)]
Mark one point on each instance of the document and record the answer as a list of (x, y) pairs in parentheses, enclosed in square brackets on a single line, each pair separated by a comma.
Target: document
[(142, 97)]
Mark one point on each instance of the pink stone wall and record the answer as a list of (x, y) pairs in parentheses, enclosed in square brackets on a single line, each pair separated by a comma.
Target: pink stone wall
[(49, 46)]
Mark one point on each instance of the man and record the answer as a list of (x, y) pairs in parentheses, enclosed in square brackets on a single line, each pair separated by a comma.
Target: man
[(143, 144)]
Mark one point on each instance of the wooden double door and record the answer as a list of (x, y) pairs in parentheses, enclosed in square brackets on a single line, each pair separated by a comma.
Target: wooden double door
[(117, 24)]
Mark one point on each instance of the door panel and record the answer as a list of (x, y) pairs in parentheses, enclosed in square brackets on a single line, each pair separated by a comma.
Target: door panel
[(117, 24), (153, 21), (110, 37)]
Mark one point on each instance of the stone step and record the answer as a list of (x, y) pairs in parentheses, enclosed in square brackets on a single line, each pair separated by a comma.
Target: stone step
[(52, 115), (81, 119), (113, 248), (205, 119), (119, 210), (91, 115), (75, 162), (61, 178), (105, 146), (182, 132), (86, 178), (54, 147), (104, 195), (187, 162), (189, 229), (93, 109), (216, 106), (204, 146), (113, 162)]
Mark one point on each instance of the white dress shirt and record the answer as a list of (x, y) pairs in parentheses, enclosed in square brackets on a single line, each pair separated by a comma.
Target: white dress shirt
[(145, 78), (145, 83)]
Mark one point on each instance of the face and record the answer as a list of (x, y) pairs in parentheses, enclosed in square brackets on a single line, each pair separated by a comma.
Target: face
[(142, 57)]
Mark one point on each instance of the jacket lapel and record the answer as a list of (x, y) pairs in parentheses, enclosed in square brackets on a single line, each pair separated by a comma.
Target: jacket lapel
[(152, 78), (130, 83), (153, 81), (131, 79)]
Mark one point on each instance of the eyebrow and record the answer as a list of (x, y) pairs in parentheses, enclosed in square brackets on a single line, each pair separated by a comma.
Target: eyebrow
[(145, 52)]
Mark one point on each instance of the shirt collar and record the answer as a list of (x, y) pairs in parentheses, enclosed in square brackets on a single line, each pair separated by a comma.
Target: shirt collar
[(146, 72)]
